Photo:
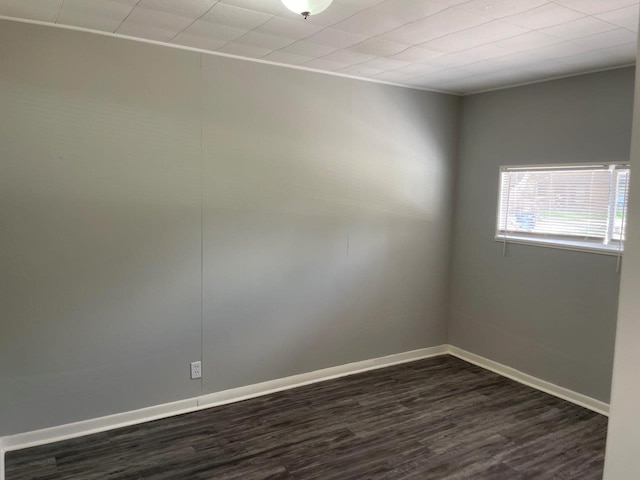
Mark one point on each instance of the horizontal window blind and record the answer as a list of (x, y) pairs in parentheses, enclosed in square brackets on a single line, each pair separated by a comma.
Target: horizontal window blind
[(585, 203)]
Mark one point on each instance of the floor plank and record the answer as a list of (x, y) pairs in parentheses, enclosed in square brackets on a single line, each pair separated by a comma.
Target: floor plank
[(440, 418)]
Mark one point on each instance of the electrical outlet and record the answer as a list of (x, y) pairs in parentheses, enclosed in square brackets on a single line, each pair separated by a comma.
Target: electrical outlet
[(196, 369)]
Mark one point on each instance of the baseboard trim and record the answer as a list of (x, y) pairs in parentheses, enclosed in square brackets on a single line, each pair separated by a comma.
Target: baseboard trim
[(294, 381), (531, 381), (96, 425), (101, 424)]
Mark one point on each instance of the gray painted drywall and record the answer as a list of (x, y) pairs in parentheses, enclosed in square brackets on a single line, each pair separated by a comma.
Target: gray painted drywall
[(324, 204), (326, 220), (622, 461), (549, 313), (100, 225)]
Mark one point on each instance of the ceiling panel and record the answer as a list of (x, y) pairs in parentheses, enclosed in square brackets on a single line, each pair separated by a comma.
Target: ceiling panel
[(208, 30), (389, 15), (475, 36), (153, 24), (501, 8), (471, 56), (245, 50), (288, 28), (546, 15), (379, 47), (592, 7), (203, 42), (184, 8), (163, 19), (336, 38), (421, 69), (611, 38), (272, 8), (308, 49), (625, 17), (603, 57), (395, 77), (223, 14), (106, 15), (416, 54), (528, 41), (459, 46), (560, 50), (264, 40), (578, 28), (348, 56), (340, 10), (513, 60), (386, 63), (443, 23)]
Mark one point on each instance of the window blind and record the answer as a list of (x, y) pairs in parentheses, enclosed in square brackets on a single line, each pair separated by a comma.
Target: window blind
[(576, 203)]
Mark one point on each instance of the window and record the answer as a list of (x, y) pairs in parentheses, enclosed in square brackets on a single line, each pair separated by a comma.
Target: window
[(577, 207)]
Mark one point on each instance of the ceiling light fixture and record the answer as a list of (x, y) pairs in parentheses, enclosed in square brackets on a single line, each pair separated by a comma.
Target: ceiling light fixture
[(307, 7)]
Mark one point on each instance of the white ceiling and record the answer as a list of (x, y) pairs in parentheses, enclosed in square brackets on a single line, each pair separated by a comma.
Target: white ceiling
[(457, 46)]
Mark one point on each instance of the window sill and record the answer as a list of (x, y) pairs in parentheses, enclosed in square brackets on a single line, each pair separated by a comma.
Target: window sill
[(574, 245)]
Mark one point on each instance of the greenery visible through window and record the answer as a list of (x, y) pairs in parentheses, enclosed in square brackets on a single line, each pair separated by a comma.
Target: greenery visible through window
[(580, 207)]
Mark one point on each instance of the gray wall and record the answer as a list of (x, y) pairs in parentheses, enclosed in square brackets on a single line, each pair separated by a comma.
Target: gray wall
[(147, 194), (549, 313), (326, 221), (100, 225), (622, 461)]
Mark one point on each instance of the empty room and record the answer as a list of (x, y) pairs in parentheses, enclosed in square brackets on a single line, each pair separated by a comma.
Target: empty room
[(319, 240)]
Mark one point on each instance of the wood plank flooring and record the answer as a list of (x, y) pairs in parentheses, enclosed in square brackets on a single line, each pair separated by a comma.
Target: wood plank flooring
[(439, 418)]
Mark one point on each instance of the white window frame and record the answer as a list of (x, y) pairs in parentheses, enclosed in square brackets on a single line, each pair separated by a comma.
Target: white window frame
[(614, 247)]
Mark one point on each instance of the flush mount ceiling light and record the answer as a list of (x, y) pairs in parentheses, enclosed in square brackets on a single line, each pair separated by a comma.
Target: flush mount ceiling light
[(307, 7)]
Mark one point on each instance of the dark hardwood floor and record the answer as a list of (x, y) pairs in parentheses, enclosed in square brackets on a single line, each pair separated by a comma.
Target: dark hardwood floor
[(440, 418)]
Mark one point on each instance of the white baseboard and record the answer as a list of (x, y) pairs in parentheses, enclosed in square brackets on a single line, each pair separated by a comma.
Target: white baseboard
[(531, 381), (273, 386), (95, 425)]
